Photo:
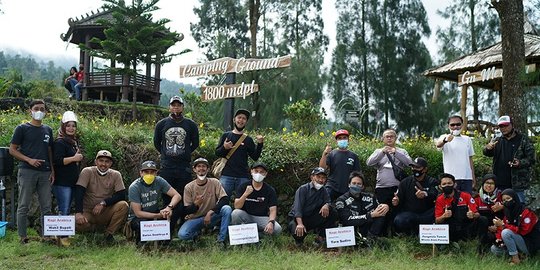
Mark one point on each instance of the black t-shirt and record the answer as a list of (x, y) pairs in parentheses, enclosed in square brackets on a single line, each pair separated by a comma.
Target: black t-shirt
[(506, 154), (175, 141), (34, 142), (237, 165), (258, 202), (65, 175), (341, 164)]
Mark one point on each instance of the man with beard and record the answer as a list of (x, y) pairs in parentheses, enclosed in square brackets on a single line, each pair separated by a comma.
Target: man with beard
[(176, 137), (360, 209), (236, 170), (513, 158), (458, 154), (205, 204), (414, 200), (100, 197)]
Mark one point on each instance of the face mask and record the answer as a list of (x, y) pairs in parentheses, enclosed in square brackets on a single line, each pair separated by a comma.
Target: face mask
[(257, 177), (239, 128), (102, 173), (342, 144), (456, 132), (497, 133), (149, 178), (201, 177), (355, 190), (447, 190), (38, 116), (417, 173), (510, 204), (317, 186)]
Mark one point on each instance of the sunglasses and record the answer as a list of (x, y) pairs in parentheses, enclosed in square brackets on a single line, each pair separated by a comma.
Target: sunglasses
[(455, 125)]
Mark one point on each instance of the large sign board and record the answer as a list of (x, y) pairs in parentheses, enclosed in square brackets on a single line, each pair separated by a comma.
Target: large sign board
[(230, 65), (487, 74), (215, 92)]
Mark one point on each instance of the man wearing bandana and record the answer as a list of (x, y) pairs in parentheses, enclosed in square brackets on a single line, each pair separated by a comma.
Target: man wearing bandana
[(144, 193), (175, 138), (414, 200), (100, 197), (361, 209)]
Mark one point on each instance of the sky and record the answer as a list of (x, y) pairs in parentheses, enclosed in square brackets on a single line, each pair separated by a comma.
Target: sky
[(34, 27)]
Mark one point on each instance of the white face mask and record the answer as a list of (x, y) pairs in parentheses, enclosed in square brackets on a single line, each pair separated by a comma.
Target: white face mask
[(201, 177), (456, 132), (257, 177), (497, 133), (102, 173), (317, 186), (38, 115)]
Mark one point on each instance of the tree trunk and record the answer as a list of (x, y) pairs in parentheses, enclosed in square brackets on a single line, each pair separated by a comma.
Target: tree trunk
[(254, 15), (474, 47), (365, 114), (513, 100)]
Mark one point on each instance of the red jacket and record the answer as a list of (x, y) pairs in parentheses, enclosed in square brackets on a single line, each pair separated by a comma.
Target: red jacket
[(482, 206), (527, 221), (464, 199)]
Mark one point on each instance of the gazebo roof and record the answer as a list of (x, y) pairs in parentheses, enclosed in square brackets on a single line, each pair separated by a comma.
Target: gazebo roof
[(484, 58)]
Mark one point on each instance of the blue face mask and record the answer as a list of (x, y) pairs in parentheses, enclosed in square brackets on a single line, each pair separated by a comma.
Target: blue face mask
[(355, 190), (342, 144)]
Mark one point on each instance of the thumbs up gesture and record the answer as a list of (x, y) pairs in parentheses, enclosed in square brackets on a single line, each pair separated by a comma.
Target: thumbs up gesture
[(78, 156), (327, 149), (470, 213), (420, 194), (447, 213)]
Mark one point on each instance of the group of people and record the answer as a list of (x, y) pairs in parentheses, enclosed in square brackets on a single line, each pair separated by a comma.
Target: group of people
[(334, 195), (74, 82)]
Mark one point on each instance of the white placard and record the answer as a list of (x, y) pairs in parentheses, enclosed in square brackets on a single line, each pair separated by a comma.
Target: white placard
[(434, 234), (340, 237), (58, 225), (243, 234), (155, 230)]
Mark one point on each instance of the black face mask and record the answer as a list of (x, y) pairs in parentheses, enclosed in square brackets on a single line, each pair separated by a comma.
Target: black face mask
[(447, 190), (510, 204), (417, 173), (239, 128)]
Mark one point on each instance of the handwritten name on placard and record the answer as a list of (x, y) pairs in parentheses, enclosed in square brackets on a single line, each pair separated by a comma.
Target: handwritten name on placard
[(434, 234), (231, 65), (215, 92), (243, 234), (155, 230), (58, 225), (340, 237)]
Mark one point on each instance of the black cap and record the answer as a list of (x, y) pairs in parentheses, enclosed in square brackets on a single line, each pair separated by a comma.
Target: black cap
[(419, 162), (242, 111), (318, 170), (259, 164), (148, 165), (176, 98), (489, 176)]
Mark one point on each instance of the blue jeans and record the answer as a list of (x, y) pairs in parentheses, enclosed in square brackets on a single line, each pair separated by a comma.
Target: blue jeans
[(230, 183), (63, 198), (191, 228), (464, 185), (513, 242)]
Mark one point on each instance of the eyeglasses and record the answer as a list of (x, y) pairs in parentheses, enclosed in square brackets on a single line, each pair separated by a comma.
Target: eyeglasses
[(455, 124)]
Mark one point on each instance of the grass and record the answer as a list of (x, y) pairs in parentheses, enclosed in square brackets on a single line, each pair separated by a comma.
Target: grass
[(88, 252)]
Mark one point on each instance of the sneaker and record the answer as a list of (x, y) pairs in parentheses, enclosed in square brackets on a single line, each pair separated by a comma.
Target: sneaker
[(109, 238), (222, 244), (298, 242), (64, 241), (319, 241), (24, 240)]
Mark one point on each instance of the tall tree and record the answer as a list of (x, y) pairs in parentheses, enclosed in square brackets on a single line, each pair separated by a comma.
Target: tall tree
[(513, 61)]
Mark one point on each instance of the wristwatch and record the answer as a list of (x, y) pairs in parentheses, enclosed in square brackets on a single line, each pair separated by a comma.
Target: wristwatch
[(103, 203), (272, 221)]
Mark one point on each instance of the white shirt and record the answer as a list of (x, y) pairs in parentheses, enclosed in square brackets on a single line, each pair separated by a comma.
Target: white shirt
[(456, 156)]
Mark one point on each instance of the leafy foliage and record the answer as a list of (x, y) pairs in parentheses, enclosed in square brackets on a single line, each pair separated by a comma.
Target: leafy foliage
[(304, 117)]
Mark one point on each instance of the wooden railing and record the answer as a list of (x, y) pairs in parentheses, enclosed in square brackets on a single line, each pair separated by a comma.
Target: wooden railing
[(105, 79)]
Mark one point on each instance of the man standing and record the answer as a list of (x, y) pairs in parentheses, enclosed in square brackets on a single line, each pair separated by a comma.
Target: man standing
[(311, 209), (32, 144), (360, 209), (414, 200), (236, 170), (340, 162), (258, 203), (513, 157), (176, 137), (144, 193), (458, 154), (100, 197), (206, 205)]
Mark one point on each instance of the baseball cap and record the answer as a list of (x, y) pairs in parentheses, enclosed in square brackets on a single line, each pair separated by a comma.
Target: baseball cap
[(259, 164), (318, 170), (103, 153), (201, 160), (176, 98), (148, 165), (504, 120), (242, 111), (419, 162), (342, 132), (69, 116)]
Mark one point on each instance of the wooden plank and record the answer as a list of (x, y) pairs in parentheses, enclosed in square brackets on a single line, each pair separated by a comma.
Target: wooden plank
[(230, 65), (487, 74), (217, 92)]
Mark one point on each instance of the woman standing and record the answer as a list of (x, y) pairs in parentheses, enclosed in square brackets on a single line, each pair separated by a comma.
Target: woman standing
[(66, 156)]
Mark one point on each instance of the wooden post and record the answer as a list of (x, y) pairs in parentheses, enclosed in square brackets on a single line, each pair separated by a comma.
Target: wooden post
[(463, 110)]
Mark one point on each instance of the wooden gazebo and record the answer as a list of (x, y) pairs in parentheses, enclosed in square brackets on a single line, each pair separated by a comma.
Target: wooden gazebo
[(483, 68), (104, 86)]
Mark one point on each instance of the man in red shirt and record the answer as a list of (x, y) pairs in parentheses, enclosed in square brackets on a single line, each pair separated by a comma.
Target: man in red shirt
[(458, 209)]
